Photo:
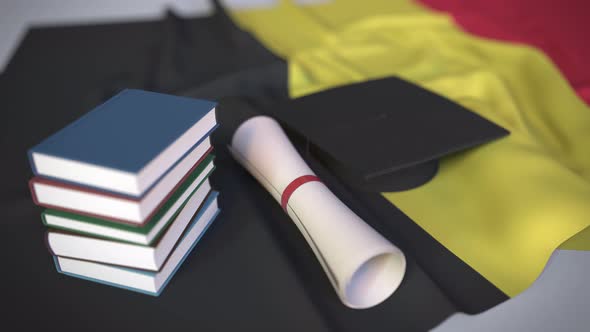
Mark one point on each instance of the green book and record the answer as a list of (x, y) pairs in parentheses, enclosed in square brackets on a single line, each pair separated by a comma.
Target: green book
[(146, 234)]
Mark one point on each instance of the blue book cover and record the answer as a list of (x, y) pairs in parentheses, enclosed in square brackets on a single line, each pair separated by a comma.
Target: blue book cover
[(196, 220), (124, 134)]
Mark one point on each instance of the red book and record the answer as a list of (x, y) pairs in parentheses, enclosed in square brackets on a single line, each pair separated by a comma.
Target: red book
[(116, 207)]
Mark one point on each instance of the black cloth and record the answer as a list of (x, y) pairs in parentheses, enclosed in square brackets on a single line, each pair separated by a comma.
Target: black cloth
[(252, 271), (59, 73)]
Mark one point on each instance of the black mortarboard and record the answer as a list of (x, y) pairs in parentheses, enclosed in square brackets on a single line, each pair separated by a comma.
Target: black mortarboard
[(386, 134)]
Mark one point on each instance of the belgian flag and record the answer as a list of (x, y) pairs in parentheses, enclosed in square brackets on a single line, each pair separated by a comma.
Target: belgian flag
[(501, 208)]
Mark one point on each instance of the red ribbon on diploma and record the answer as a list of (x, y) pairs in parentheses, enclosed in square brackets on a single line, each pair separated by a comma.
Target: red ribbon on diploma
[(298, 182)]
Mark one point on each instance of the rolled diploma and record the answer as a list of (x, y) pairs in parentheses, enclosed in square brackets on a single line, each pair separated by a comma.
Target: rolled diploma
[(364, 267)]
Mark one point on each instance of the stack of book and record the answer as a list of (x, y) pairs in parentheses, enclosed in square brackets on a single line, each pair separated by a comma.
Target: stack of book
[(127, 188)]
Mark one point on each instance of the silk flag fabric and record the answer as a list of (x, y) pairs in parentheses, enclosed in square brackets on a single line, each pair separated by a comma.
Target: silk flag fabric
[(558, 28), (503, 208)]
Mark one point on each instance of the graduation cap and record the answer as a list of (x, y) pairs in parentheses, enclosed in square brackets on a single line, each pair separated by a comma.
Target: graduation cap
[(385, 134)]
